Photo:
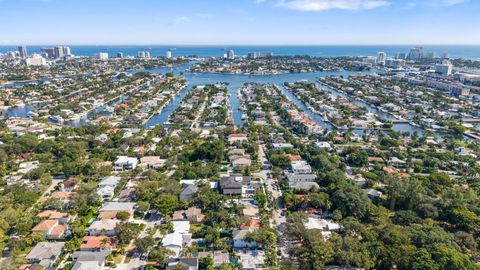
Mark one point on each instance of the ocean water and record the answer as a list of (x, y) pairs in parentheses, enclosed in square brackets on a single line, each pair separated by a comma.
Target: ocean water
[(467, 52)]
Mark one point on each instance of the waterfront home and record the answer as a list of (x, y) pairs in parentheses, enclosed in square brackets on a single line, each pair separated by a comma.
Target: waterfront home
[(45, 254), (125, 163)]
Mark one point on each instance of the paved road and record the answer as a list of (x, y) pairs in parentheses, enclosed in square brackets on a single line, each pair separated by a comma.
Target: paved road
[(277, 221)]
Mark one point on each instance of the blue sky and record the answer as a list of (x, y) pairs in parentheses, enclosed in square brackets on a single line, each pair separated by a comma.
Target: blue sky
[(263, 22)]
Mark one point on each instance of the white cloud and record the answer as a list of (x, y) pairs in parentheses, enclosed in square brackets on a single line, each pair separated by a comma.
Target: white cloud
[(181, 19), (321, 5), (437, 3)]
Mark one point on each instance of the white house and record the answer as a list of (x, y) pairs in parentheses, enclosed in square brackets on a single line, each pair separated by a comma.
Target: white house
[(125, 163), (301, 167), (173, 242), (324, 145), (106, 187)]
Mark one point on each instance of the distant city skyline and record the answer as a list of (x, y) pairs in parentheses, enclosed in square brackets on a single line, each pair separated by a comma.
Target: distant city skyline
[(242, 22)]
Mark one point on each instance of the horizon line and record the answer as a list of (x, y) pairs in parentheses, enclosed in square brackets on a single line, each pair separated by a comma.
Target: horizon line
[(232, 44)]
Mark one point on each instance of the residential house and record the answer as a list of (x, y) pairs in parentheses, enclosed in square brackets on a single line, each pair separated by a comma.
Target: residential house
[(233, 184), (304, 186), (103, 227), (325, 225), (301, 167), (125, 163), (45, 253), (251, 259), (54, 226), (106, 187), (173, 242), (237, 137), (294, 178), (64, 196), (192, 214), (240, 241), (89, 260), (68, 185), (109, 210), (188, 191), (282, 145), (98, 243), (241, 162), (152, 162), (251, 212), (219, 257), (187, 263)]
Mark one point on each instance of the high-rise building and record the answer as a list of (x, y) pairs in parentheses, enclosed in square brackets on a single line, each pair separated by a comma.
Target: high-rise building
[(58, 52), (401, 56), (254, 55), (231, 54), (444, 68), (119, 55), (102, 56), (147, 54), (416, 53), (394, 63), (50, 52), (381, 57), (168, 54), (141, 54), (66, 51), (22, 50)]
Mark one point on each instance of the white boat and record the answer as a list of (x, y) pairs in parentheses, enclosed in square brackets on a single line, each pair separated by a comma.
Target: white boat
[(32, 114), (56, 119)]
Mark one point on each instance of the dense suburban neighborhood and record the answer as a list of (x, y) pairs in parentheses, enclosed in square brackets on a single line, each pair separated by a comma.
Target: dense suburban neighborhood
[(120, 164)]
